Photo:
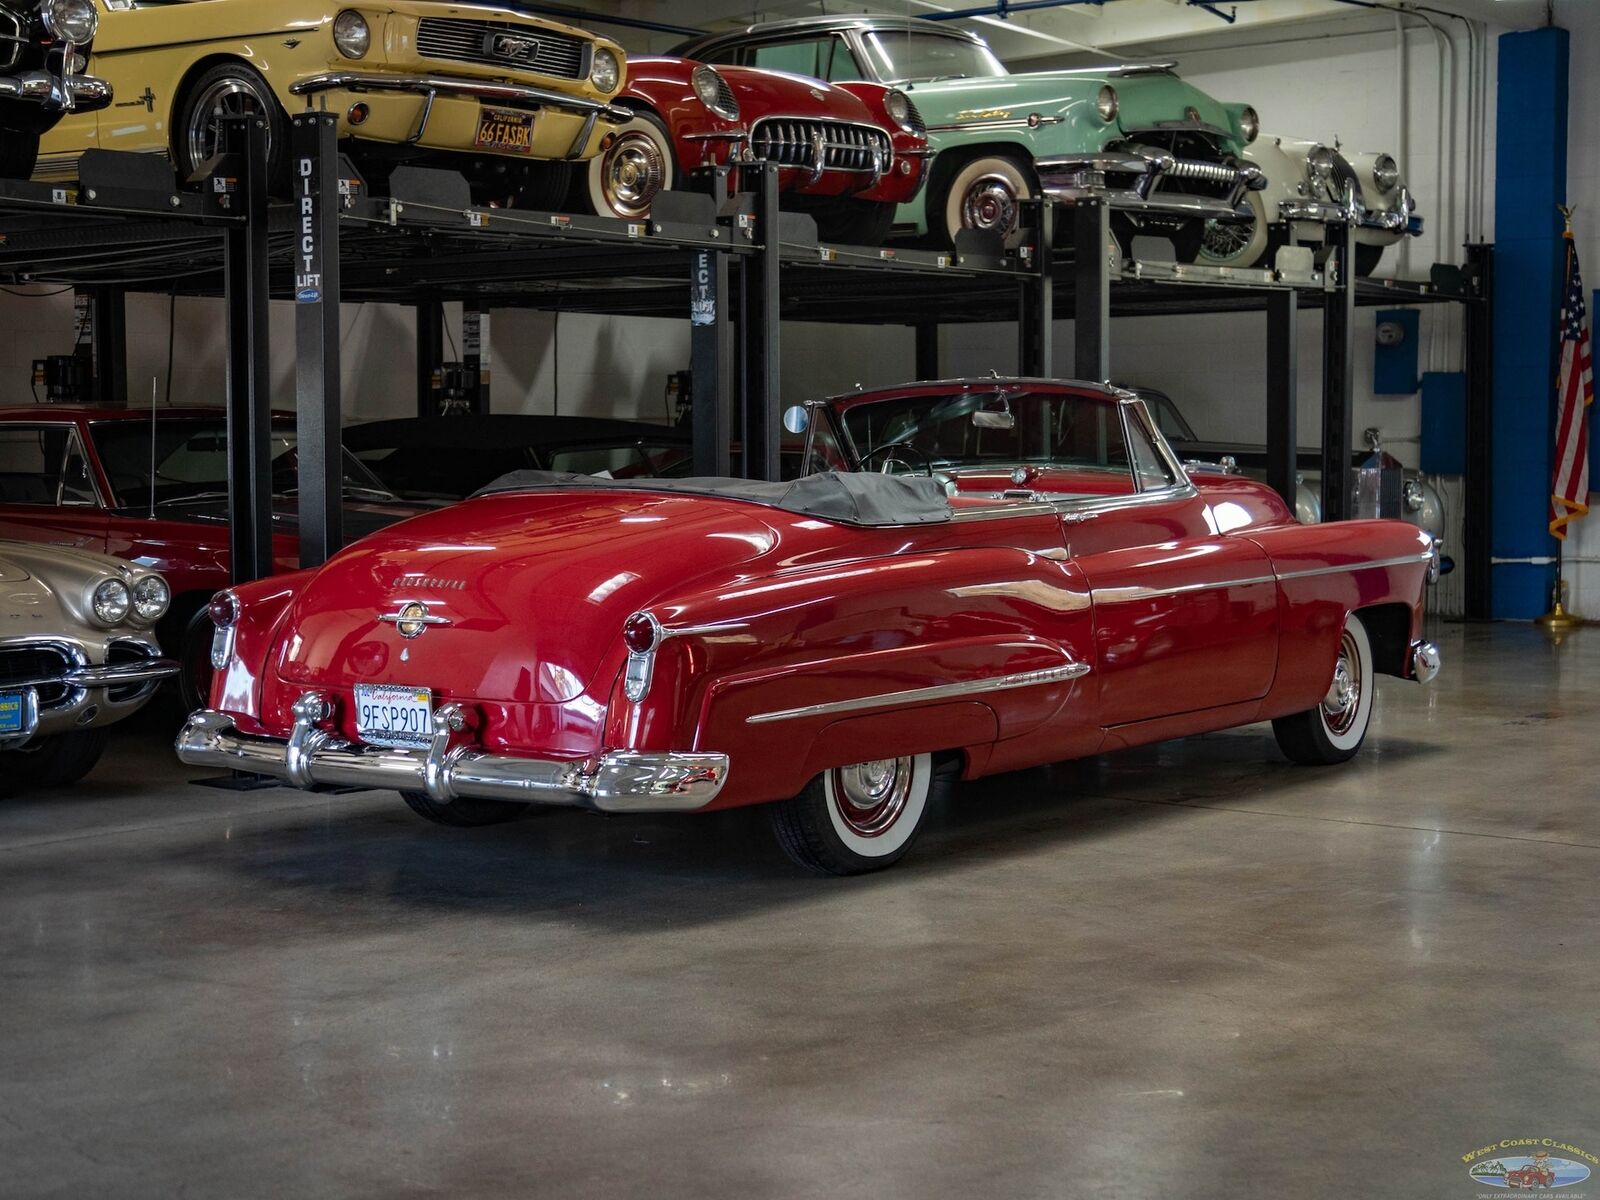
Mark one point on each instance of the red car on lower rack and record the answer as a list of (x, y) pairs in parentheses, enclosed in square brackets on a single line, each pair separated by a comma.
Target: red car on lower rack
[(850, 153)]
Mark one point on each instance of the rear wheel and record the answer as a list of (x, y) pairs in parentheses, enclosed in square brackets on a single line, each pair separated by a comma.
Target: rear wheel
[(56, 761), (1333, 731), (226, 90), (987, 193), (194, 653), (624, 179), (463, 814), (860, 818)]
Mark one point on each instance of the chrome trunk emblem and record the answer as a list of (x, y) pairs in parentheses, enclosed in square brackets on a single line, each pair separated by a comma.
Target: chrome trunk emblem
[(412, 619)]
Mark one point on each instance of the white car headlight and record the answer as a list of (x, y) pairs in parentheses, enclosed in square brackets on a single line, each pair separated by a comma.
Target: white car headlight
[(1249, 124), (715, 93), (1385, 173), (71, 20), (606, 73), (1106, 103), (151, 598), (898, 106), (110, 603), (351, 34)]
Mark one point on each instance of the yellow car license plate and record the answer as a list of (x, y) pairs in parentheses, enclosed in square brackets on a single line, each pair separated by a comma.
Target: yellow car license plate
[(394, 716), (505, 130)]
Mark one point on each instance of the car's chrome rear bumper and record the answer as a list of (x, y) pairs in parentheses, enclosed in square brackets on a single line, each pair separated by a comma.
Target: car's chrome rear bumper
[(312, 757)]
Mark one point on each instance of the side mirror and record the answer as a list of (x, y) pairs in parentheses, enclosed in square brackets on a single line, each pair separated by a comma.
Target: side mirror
[(797, 419)]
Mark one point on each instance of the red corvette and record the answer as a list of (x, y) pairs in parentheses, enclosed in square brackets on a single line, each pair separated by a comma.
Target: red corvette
[(851, 153), (984, 576), (82, 476)]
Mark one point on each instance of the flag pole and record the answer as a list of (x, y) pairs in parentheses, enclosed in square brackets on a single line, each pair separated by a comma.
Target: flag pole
[(1558, 621)]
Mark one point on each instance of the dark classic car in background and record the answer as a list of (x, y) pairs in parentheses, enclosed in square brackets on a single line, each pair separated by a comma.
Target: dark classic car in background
[(850, 153), (76, 656), (1035, 579), (449, 458), (81, 476), (43, 50), (1164, 154)]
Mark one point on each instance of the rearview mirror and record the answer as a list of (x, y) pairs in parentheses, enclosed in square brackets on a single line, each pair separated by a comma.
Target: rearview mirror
[(797, 419), (994, 420)]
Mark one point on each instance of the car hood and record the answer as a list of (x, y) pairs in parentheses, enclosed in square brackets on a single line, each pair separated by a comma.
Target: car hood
[(784, 94), (534, 590), (44, 589), (1145, 101)]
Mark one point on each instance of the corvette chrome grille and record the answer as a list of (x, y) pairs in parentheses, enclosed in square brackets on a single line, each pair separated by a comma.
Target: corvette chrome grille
[(19, 664), (502, 44), (13, 38), (794, 142)]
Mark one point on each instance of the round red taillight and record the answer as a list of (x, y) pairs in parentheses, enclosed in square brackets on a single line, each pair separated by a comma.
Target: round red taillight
[(224, 610), (641, 633)]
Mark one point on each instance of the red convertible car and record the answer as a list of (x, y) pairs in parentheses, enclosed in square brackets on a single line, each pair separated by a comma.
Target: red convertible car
[(82, 476), (977, 576), (850, 153)]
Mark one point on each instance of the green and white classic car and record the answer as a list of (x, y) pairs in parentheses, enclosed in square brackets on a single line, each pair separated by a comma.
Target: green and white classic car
[(1165, 155), (1310, 186)]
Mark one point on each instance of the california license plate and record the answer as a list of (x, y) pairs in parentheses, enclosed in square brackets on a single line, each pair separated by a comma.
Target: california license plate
[(505, 131), (11, 711), (398, 717)]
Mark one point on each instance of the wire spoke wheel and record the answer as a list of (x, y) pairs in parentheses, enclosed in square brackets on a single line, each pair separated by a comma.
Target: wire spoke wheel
[(1227, 240)]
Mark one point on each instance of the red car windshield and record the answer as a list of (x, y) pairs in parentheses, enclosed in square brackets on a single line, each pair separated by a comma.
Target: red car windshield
[(190, 457)]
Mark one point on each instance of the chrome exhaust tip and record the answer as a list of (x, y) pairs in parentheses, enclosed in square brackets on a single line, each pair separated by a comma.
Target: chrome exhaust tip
[(1425, 662)]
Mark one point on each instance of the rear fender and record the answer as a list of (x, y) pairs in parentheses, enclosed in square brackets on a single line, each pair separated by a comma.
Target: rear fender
[(237, 689)]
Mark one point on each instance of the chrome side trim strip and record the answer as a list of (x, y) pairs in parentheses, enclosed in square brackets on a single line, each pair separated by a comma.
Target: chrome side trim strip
[(942, 691), (1310, 572), (1118, 595)]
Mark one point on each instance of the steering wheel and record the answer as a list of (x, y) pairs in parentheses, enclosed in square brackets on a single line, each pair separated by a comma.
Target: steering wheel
[(891, 456)]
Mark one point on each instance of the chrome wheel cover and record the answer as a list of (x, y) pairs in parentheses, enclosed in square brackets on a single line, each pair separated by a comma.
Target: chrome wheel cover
[(633, 173), (990, 202), (871, 796), (233, 97), (1342, 703)]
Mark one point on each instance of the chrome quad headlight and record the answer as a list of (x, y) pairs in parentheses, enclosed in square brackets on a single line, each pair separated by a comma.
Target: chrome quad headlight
[(74, 21), (1249, 124), (351, 34), (715, 93), (1107, 103), (151, 599), (110, 603), (606, 71)]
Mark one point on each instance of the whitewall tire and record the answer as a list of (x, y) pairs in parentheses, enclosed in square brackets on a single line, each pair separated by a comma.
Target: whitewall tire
[(1333, 731), (860, 818), (1238, 243), (987, 193), (624, 179)]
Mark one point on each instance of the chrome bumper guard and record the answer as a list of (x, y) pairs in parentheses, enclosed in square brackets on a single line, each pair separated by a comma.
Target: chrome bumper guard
[(75, 93), (1402, 219), (622, 781), (1425, 662), (1082, 177)]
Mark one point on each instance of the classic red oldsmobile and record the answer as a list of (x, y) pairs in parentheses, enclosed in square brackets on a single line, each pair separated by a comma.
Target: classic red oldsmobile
[(850, 153), (987, 575)]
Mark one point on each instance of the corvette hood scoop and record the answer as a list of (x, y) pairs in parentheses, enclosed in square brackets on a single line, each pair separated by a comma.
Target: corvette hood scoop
[(511, 598)]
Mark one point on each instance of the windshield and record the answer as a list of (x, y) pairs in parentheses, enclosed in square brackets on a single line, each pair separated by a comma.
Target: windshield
[(916, 56), (1168, 419), (191, 463), (999, 430)]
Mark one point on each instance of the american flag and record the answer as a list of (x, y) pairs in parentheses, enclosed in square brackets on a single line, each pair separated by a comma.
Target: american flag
[(1569, 495)]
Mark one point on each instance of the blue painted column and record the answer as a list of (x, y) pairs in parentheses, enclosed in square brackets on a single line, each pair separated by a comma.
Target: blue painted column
[(1530, 181)]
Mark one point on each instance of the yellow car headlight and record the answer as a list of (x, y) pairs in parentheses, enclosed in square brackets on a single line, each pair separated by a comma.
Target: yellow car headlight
[(606, 73), (351, 34)]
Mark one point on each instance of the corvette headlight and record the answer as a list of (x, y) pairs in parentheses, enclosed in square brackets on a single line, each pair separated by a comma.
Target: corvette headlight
[(352, 34), (111, 602), (1385, 173), (151, 597), (1106, 103), (1249, 124), (898, 106), (715, 93), (606, 73), (70, 20)]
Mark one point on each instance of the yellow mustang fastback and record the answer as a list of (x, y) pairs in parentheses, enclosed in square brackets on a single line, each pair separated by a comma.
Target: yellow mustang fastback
[(511, 99)]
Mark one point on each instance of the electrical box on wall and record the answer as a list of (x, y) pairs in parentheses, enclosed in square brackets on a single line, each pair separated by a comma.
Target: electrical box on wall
[(1395, 358), (1444, 423)]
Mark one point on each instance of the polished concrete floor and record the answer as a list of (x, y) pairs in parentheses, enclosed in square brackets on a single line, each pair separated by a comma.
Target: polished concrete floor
[(1189, 971)]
